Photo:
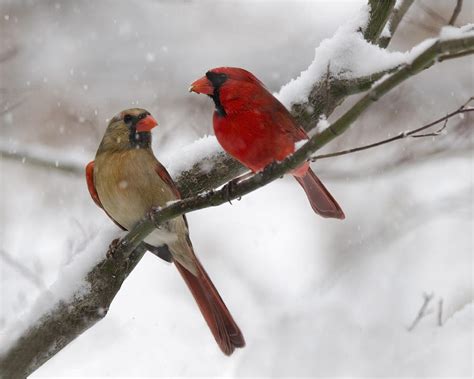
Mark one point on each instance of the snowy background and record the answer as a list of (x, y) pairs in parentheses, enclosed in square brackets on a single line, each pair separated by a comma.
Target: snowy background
[(314, 297)]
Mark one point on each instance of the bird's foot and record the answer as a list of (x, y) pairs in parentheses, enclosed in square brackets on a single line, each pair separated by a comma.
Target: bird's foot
[(114, 245), (229, 189)]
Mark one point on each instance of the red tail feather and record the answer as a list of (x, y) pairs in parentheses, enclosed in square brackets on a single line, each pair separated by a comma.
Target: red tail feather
[(226, 332), (321, 200)]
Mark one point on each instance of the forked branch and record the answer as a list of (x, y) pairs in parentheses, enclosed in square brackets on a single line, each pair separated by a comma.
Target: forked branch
[(402, 135)]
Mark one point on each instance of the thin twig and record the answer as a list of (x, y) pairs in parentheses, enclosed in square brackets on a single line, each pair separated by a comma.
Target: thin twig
[(440, 312), (455, 56), (436, 132), (396, 17), (422, 312), (456, 12), (8, 54), (5, 107), (402, 135)]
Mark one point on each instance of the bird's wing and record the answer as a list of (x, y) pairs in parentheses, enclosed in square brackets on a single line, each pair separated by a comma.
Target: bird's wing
[(282, 117), (160, 251), (166, 177), (93, 192), (90, 184)]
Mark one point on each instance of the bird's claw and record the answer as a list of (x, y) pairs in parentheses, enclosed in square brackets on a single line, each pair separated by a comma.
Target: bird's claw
[(114, 245), (228, 190)]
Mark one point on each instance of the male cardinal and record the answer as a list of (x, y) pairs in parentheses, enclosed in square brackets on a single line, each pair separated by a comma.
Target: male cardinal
[(127, 181), (256, 129)]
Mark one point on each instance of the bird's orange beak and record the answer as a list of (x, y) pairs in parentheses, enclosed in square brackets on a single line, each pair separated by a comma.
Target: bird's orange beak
[(203, 86), (146, 124)]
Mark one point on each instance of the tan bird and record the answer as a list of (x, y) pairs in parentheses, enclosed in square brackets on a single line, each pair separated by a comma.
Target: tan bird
[(127, 181)]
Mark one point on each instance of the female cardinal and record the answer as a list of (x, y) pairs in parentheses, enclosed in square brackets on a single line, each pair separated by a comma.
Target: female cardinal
[(127, 181), (256, 129)]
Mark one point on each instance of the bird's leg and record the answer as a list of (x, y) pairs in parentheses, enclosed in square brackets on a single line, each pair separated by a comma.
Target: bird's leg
[(114, 245), (229, 188)]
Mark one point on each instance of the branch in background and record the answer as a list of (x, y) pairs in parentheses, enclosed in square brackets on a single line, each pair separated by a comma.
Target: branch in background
[(398, 14), (43, 339), (440, 312), (423, 310), (409, 133), (8, 107), (22, 270), (456, 12), (8, 54), (395, 164), (42, 157), (435, 16)]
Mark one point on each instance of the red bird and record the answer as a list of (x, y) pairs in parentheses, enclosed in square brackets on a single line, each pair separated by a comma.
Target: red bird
[(127, 181), (256, 129)]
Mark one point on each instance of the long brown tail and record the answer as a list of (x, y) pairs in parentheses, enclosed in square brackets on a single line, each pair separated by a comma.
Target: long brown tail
[(321, 200), (225, 330)]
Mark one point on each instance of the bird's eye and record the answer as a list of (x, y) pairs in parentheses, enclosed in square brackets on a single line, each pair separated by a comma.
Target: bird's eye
[(216, 79), (127, 118)]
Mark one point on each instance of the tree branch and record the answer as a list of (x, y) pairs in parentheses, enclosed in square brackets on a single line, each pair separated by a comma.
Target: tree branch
[(397, 15), (409, 133), (456, 12), (422, 312), (22, 270)]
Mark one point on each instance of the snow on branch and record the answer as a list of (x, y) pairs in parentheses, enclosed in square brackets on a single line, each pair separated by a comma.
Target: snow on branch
[(346, 55)]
